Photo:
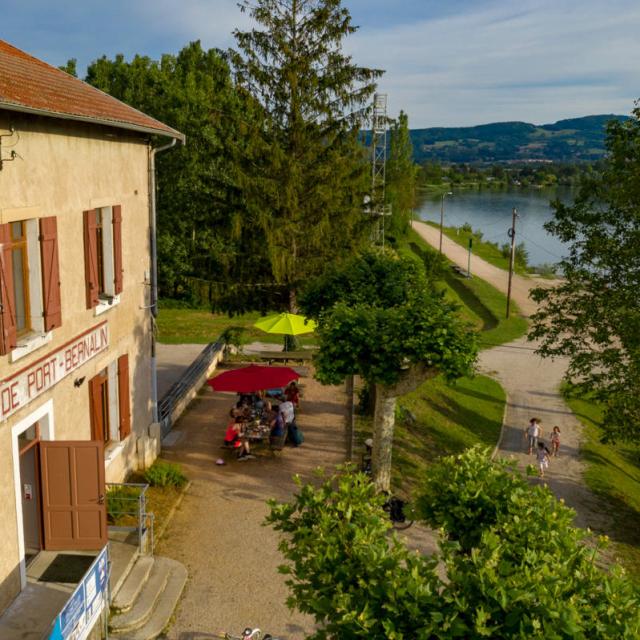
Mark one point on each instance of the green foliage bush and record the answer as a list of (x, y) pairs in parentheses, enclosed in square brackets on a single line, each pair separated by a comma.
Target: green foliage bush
[(165, 474), (121, 501), (514, 565)]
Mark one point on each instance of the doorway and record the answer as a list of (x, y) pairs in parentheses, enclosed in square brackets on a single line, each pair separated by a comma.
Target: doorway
[(26, 436), (30, 491)]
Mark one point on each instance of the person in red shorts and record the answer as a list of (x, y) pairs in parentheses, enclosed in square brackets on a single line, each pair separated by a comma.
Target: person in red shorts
[(233, 436)]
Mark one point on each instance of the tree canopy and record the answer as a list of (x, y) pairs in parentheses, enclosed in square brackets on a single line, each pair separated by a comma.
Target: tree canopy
[(381, 319), (304, 172), (198, 199), (514, 566), (593, 315)]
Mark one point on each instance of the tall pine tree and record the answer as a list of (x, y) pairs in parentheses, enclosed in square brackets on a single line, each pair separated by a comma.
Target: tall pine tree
[(401, 174), (304, 173)]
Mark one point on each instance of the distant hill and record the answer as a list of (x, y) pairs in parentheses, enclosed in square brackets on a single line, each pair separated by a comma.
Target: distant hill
[(574, 140)]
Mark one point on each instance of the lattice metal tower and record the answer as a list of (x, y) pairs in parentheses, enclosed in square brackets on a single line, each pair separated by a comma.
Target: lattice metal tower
[(379, 124)]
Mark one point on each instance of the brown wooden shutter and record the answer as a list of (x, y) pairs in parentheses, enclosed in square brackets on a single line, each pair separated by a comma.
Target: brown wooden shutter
[(8, 332), (95, 408), (117, 249), (123, 396), (91, 258), (50, 273)]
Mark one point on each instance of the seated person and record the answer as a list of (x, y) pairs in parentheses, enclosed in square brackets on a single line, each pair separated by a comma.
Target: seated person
[(288, 414), (276, 423), (233, 435), (292, 393)]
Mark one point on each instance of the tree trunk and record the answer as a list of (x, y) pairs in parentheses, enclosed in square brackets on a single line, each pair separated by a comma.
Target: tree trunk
[(349, 426), (384, 420), (383, 427)]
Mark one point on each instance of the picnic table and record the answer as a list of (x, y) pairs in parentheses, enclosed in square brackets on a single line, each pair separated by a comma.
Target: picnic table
[(285, 356)]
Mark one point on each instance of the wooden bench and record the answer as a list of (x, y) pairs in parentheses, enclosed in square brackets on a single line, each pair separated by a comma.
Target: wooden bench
[(460, 271), (285, 356)]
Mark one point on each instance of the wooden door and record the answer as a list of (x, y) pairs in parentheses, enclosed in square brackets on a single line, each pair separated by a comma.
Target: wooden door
[(73, 494)]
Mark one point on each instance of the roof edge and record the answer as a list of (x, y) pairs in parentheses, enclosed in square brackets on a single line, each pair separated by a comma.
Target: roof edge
[(171, 133)]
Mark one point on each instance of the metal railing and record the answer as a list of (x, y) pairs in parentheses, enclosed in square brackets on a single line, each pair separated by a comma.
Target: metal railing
[(185, 384), (127, 508)]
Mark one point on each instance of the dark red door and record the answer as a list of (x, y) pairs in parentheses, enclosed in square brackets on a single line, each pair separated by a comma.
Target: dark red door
[(73, 494)]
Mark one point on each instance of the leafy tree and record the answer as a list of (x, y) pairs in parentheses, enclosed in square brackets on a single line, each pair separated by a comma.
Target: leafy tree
[(346, 573), (380, 319), (198, 201), (304, 173), (71, 67), (401, 173), (593, 315), (512, 566)]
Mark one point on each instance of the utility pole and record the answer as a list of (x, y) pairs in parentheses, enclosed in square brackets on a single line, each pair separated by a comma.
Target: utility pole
[(444, 195), (469, 258), (512, 235)]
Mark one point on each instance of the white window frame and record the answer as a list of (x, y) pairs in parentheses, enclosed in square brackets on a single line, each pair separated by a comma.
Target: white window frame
[(37, 337)]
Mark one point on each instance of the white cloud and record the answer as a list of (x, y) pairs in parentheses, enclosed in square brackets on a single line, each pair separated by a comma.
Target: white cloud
[(539, 62)]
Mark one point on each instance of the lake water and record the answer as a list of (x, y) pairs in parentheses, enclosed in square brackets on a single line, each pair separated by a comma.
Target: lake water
[(490, 212)]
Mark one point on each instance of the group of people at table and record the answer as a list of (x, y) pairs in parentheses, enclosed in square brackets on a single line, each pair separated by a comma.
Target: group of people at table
[(256, 417)]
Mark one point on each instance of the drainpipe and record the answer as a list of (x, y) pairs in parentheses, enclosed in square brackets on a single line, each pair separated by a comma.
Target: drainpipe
[(154, 270)]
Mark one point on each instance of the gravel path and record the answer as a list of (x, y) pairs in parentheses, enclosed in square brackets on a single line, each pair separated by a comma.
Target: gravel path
[(531, 384), (217, 532)]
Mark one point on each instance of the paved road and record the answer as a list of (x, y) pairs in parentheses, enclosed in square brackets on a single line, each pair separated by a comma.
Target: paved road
[(531, 384)]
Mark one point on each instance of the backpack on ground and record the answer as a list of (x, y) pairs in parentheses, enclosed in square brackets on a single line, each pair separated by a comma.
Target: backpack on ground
[(296, 436)]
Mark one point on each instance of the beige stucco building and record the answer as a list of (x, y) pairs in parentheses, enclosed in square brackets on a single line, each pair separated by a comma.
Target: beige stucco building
[(76, 295)]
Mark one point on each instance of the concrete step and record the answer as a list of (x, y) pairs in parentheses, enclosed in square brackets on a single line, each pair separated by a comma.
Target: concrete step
[(126, 595), (144, 604), (164, 608)]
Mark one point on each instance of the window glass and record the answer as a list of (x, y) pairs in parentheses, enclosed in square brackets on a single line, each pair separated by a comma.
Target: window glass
[(29, 436), (20, 263)]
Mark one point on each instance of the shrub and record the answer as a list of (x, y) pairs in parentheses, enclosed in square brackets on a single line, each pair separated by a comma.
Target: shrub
[(467, 228), (512, 566), (121, 502), (165, 474)]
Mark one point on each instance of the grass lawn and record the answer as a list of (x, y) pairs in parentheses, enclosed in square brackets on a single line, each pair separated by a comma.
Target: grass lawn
[(440, 419), (485, 250), (195, 326), (481, 304), (613, 473)]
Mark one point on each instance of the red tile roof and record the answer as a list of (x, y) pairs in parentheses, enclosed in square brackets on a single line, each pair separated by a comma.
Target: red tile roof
[(32, 86)]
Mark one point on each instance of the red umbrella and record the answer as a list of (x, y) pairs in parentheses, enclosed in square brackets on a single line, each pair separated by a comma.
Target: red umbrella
[(253, 378)]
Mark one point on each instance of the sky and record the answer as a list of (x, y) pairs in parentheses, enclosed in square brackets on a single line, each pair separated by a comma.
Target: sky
[(447, 62)]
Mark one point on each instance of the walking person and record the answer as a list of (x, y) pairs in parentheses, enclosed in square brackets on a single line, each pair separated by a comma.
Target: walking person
[(555, 440), (542, 456), (532, 433)]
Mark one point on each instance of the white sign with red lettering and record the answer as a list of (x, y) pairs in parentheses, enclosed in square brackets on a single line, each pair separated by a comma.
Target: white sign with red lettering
[(26, 385)]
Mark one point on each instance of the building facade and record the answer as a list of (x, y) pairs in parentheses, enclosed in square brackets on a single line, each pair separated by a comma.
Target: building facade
[(76, 291)]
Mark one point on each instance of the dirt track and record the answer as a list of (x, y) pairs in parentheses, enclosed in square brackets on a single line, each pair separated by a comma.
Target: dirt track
[(531, 384)]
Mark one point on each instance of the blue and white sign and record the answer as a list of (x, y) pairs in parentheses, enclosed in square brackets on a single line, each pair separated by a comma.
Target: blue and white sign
[(83, 608)]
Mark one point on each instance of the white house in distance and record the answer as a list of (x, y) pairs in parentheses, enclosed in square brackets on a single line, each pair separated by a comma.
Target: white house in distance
[(76, 295)]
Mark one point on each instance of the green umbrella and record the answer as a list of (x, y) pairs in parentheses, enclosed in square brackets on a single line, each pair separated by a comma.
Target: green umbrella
[(288, 324)]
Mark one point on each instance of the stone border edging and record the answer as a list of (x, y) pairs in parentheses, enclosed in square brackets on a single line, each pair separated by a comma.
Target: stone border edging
[(158, 534)]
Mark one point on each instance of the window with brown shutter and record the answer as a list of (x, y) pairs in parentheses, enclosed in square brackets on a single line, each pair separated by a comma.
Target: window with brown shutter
[(8, 332), (124, 407), (103, 254), (52, 311), (99, 406), (91, 258)]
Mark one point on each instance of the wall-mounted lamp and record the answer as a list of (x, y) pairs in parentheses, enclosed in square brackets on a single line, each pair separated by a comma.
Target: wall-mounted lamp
[(78, 381)]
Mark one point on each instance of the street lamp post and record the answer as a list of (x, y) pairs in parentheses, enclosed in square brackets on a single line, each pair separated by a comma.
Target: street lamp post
[(448, 193)]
